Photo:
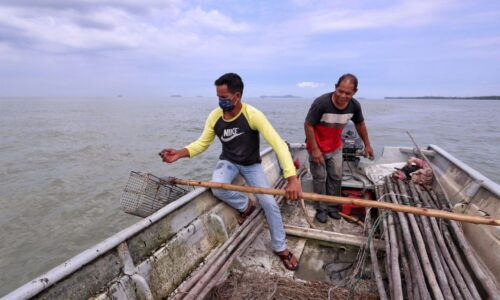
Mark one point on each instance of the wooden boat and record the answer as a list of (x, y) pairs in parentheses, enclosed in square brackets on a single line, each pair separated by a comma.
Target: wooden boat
[(156, 257)]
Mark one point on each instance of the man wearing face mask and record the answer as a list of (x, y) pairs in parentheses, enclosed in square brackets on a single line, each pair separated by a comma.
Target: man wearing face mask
[(239, 126)]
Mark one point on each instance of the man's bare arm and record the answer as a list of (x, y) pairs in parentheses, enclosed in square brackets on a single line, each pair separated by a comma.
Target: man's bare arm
[(363, 133), (316, 153)]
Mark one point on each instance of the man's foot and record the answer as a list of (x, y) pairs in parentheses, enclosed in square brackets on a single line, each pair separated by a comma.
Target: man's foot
[(334, 214), (321, 216), (288, 259), (248, 211)]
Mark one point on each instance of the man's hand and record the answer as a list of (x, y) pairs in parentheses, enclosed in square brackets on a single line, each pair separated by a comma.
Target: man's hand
[(317, 156), (369, 152), (293, 189), (169, 155)]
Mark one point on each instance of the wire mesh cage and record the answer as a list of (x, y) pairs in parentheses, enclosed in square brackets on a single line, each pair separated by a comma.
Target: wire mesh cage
[(145, 193)]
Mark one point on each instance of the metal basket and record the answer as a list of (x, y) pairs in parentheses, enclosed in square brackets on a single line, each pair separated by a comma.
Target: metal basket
[(145, 193)]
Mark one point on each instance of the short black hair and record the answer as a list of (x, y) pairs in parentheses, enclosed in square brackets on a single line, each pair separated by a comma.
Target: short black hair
[(233, 82), (350, 77)]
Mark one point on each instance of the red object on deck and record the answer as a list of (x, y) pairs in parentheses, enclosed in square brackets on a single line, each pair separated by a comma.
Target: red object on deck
[(351, 209), (296, 163)]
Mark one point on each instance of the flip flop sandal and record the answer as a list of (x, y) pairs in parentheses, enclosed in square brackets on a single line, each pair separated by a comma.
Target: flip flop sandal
[(244, 215), (287, 259)]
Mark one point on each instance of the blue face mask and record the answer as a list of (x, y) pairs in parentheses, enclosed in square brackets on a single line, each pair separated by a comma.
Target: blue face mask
[(226, 104)]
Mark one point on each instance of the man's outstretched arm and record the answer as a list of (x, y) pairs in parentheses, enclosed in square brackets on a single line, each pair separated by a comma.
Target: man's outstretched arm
[(170, 155)]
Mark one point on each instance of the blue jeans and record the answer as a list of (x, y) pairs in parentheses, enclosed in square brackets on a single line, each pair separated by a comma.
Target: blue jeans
[(225, 172)]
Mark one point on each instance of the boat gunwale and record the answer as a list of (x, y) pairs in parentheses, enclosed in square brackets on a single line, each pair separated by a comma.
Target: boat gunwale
[(475, 175), (76, 262)]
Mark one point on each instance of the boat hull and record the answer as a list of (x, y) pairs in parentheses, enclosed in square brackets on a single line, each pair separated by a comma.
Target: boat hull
[(150, 259)]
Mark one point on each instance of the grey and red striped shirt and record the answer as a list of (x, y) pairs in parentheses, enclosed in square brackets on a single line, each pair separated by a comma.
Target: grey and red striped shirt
[(328, 121)]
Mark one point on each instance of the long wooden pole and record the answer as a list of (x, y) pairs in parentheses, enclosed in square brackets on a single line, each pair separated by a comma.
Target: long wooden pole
[(374, 260), (431, 246), (447, 257), (419, 241), (421, 292), (344, 200)]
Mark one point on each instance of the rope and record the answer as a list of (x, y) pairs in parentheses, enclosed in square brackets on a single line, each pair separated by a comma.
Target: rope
[(374, 228)]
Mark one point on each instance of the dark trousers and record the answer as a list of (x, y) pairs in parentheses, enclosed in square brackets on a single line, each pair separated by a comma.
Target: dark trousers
[(327, 178)]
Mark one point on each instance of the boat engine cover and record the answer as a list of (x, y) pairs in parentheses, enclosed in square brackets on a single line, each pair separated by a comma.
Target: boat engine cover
[(353, 146)]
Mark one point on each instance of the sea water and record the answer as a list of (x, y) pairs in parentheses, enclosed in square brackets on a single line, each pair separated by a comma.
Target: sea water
[(65, 161)]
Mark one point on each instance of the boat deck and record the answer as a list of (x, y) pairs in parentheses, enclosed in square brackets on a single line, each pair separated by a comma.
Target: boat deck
[(323, 266)]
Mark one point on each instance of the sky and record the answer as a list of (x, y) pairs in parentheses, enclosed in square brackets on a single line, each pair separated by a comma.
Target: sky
[(153, 48)]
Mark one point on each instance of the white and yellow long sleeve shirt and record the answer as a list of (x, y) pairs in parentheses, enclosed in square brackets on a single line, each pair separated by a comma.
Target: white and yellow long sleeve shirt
[(241, 140)]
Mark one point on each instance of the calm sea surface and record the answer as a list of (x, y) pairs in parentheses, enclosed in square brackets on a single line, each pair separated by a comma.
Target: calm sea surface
[(64, 162)]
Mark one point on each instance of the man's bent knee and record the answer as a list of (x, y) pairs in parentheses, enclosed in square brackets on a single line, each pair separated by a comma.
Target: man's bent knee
[(319, 174), (221, 193), (268, 203)]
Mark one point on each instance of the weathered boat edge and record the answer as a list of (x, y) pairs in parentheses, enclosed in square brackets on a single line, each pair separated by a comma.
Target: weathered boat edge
[(54, 275), (474, 174), (478, 196), (100, 250)]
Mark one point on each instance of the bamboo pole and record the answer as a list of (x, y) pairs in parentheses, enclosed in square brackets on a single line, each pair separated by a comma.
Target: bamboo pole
[(207, 283), (330, 236), (394, 259), (457, 274), (379, 191), (411, 280), (488, 282), (306, 215), (431, 245), (215, 270), (219, 256), (374, 260), (344, 200), (424, 257), (404, 264), (406, 225), (352, 219), (203, 276), (451, 281), (388, 250), (457, 258)]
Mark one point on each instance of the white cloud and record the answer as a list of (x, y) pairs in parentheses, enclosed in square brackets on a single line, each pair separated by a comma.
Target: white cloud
[(66, 31), (309, 84), (339, 17), (169, 29), (198, 19), (59, 29), (172, 39)]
